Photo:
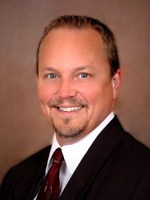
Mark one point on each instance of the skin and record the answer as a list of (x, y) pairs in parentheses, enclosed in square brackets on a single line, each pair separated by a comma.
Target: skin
[(75, 88)]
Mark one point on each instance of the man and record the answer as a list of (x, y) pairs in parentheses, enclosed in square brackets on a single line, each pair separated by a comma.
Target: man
[(78, 77)]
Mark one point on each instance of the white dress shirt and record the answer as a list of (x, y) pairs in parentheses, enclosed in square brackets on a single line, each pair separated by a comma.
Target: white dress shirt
[(74, 153)]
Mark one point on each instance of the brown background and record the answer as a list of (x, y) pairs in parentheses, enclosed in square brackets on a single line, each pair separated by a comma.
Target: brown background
[(23, 128)]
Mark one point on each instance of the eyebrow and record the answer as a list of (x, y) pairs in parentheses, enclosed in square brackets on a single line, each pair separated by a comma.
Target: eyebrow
[(75, 69), (49, 69), (83, 67)]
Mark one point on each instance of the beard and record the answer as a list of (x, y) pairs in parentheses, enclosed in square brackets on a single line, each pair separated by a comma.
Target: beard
[(68, 127), (67, 130)]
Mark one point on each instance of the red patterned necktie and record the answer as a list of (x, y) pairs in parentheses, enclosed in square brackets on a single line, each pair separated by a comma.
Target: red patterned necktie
[(50, 185)]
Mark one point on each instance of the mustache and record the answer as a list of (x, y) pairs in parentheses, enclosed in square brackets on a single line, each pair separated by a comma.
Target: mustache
[(70, 100)]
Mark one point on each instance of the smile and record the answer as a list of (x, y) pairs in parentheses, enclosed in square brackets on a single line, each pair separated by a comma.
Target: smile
[(69, 109)]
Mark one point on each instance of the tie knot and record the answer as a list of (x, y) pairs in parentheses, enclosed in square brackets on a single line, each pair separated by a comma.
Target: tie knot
[(57, 157)]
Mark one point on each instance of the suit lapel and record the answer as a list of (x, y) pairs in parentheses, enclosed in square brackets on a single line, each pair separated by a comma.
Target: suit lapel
[(28, 184), (93, 161)]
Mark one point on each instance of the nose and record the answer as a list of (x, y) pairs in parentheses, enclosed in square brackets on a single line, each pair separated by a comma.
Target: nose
[(67, 89)]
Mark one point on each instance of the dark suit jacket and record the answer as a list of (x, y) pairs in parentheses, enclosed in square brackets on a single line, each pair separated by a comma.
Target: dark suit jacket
[(116, 167)]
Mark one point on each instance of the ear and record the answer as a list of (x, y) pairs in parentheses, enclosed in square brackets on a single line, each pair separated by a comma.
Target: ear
[(116, 81)]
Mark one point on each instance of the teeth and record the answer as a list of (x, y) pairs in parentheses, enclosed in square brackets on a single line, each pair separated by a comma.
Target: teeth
[(69, 109)]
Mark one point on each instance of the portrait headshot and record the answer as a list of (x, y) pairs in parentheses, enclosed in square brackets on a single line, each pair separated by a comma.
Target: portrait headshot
[(80, 145)]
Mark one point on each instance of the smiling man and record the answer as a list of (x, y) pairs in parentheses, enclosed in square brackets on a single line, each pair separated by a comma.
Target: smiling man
[(76, 87), (78, 78)]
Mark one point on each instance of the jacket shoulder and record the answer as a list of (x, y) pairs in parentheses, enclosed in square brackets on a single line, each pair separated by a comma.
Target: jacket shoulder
[(31, 161), (26, 171)]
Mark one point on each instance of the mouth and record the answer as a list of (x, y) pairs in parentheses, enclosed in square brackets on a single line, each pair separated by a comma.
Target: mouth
[(70, 109), (68, 105)]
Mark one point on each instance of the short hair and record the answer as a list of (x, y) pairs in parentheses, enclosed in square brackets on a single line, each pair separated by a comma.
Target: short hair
[(85, 22)]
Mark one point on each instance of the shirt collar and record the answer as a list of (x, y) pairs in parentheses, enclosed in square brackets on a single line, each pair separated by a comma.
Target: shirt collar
[(74, 153)]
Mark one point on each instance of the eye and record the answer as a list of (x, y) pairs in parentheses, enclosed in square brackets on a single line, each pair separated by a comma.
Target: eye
[(51, 76), (84, 75)]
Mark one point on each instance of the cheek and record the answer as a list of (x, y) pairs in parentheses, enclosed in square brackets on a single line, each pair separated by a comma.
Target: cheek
[(44, 94), (98, 97), (91, 95)]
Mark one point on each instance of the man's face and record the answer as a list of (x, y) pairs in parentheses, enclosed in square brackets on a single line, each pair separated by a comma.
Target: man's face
[(75, 88)]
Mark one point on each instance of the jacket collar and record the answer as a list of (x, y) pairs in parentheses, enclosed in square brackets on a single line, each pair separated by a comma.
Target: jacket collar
[(93, 160)]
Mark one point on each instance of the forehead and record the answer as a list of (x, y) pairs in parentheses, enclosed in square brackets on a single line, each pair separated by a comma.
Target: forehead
[(72, 36), (72, 45), (71, 48)]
